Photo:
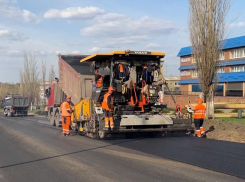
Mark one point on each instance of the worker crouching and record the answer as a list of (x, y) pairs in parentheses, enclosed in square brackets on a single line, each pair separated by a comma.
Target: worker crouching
[(66, 116), (199, 116), (107, 106)]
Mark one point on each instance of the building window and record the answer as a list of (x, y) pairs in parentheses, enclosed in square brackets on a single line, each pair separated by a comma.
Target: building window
[(221, 55), (196, 88), (234, 89), (193, 59), (237, 53), (219, 91), (221, 70), (177, 84), (237, 68), (194, 74)]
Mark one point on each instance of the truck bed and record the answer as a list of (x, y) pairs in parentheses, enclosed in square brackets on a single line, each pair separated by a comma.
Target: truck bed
[(75, 79)]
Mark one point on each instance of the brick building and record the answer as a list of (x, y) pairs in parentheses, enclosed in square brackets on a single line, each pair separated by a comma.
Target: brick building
[(231, 74)]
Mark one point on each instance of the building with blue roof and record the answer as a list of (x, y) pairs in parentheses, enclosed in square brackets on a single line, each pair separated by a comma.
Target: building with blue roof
[(231, 74)]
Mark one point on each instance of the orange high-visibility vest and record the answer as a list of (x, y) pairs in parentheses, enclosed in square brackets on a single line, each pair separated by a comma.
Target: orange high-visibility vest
[(65, 107), (178, 106), (120, 67), (105, 102), (199, 111), (99, 82)]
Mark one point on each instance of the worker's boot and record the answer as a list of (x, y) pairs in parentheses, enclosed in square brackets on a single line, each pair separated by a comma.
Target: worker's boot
[(198, 133), (106, 123), (202, 131), (111, 123)]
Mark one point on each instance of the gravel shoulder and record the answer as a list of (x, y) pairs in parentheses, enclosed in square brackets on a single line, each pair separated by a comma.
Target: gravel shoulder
[(229, 129)]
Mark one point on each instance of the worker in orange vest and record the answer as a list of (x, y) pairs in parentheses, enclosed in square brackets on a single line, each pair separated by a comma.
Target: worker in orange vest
[(98, 79), (66, 116), (178, 111), (199, 116), (107, 105)]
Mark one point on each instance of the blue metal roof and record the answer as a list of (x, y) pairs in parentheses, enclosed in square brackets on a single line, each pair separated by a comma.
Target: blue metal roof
[(222, 63), (228, 44), (185, 51), (189, 67), (231, 77), (234, 42), (191, 81), (232, 62), (222, 77)]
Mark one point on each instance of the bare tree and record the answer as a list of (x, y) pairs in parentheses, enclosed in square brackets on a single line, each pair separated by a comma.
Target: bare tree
[(51, 74), (29, 82), (44, 69), (8, 88), (207, 29)]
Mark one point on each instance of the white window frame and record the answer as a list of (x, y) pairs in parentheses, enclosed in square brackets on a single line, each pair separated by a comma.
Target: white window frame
[(237, 68), (221, 70), (194, 74), (221, 55), (238, 53), (193, 59)]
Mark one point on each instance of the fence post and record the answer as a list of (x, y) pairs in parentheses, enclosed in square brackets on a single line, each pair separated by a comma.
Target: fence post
[(239, 113)]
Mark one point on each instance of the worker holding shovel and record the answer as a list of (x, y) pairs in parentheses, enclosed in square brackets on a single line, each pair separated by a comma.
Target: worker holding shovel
[(199, 116)]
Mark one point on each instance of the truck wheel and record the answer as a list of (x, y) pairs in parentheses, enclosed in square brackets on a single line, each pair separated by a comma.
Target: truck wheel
[(5, 113), (57, 119), (9, 113), (51, 119)]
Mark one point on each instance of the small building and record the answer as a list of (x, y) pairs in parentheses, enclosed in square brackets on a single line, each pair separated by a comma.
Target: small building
[(231, 74), (173, 83)]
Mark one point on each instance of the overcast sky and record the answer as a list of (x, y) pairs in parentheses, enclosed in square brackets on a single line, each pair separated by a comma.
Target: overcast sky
[(49, 27)]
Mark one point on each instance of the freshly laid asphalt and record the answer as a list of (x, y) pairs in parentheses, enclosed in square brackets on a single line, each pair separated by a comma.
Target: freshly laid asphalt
[(32, 150)]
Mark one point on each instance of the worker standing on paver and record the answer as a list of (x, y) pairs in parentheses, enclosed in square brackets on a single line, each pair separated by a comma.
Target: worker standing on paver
[(107, 106), (66, 115), (98, 79), (199, 116)]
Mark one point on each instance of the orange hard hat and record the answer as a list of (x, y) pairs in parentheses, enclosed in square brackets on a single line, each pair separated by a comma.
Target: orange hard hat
[(200, 100), (110, 89), (68, 98)]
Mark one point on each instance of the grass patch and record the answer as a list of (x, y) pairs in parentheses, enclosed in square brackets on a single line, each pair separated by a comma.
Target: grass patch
[(171, 109), (234, 111), (218, 111), (40, 112), (232, 120)]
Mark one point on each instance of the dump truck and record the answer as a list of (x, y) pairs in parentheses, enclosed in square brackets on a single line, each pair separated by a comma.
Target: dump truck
[(137, 99), (15, 105)]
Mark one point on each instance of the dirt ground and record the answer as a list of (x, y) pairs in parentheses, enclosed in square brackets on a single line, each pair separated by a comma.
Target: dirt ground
[(234, 132)]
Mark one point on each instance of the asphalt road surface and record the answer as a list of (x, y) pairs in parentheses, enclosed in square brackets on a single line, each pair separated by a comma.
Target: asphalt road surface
[(32, 150)]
